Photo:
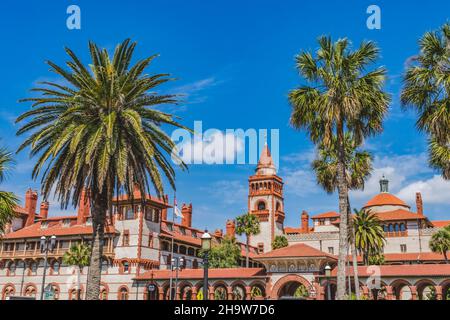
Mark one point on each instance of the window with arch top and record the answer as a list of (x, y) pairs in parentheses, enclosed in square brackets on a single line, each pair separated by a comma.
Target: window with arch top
[(261, 205)]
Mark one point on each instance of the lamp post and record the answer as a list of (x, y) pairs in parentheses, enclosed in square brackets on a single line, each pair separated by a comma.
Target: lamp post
[(178, 265), (46, 245), (206, 246), (328, 275)]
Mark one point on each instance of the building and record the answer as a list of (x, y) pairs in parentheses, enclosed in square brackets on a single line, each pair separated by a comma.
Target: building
[(141, 242)]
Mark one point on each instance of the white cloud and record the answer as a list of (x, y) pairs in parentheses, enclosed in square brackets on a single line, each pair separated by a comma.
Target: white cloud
[(192, 91), (434, 191)]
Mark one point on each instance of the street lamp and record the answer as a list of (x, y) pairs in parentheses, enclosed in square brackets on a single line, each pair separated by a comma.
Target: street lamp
[(206, 247), (178, 263), (46, 245), (328, 275)]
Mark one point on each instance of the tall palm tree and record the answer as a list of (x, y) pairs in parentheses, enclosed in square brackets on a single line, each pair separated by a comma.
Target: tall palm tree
[(247, 224), (369, 234), (100, 132), (8, 201), (440, 242), (340, 96), (426, 84), (359, 164), (79, 256)]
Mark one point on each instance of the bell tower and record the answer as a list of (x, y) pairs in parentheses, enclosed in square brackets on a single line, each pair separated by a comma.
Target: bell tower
[(265, 200)]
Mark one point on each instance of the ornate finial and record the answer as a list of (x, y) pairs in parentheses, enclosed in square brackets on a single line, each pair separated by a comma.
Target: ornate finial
[(384, 184)]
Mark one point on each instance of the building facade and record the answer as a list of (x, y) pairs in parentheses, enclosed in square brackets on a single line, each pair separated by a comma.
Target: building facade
[(141, 243)]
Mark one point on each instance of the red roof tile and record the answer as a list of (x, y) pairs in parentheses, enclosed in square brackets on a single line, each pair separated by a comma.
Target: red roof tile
[(441, 223), (54, 228), (399, 214), (295, 250), (21, 210), (404, 270), (225, 273), (330, 214), (384, 199)]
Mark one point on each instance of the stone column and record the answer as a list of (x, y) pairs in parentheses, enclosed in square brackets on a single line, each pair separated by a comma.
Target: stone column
[(438, 292), (248, 293), (160, 293), (389, 293), (229, 293), (178, 293), (414, 295), (211, 293), (194, 293)]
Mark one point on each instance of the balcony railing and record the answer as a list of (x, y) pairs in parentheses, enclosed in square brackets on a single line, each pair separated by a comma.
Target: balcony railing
[(396, 234), (35, 253)]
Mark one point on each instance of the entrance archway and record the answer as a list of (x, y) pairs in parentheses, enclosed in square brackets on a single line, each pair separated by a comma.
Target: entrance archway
[(292, 285)]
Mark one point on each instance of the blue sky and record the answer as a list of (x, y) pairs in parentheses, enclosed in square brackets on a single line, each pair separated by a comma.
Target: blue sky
[(234, 61)]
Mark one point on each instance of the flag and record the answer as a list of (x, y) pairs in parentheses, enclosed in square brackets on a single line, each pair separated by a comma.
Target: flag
[(177, 212)]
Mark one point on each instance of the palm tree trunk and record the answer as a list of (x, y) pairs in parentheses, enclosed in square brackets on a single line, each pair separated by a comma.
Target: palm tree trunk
[(98, 223), (445, 257), (353, 248), (343, 225), (246, 252)]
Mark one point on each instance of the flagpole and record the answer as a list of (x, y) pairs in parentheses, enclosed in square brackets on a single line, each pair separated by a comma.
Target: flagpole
[(171, 249)]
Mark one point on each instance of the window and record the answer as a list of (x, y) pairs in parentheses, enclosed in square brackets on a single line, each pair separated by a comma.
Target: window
[(105, 266), (9, 291), (30, 291), (126, 238), (183, 231), (403, 248), (402, 227), (260, 247), (125, 267), (11, 269), (330, 250), (183, 250), (123, 293), (261, 205), (321, 222), (129, 212), (55, 267), (165, 246), (191, 251), (152, 214)]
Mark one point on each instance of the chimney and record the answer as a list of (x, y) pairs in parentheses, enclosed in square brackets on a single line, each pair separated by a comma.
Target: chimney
[(305, 222), (218, 233), (231, 229), (44, 209), (30, 206), (419, 204), (186, 211), (84, 207)]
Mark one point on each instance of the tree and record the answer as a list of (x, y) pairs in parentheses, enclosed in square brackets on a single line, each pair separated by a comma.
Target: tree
[(8, 200), (341, 95), (279, 242), (440, 242), (227, 254), (248, 225), (79, 256), (426, 84), (369, 236), (100, 132), (359, 167)]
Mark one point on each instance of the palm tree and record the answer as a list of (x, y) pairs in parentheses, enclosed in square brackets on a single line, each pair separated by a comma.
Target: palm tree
[(426, 84), (440, 242), (247, 224), (8, 201), (359, 164), (100, 132), (341, 95), (79, 256), (369, 234)]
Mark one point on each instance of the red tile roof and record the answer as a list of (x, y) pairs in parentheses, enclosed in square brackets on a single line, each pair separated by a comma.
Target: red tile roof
[(225, 273), (295, 250), (291, 230), (404, 270), (54, 228), (398, 214), (410, 257), (384, 199), (21, 210), (330, 214), (440, 223)]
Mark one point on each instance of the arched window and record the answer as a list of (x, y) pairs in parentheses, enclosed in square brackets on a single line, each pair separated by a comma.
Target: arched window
[(182, 250), (261, 205), (30, 291), (396, 228), (103, 293), (191, 251), (105, 265), (278, 206), (165, 246), (55, 290), (8, 291), (125, 267), (402, 227), (73, 294), (56, 266), (11, 269), (175, 248), (391, 228), (123, 293)]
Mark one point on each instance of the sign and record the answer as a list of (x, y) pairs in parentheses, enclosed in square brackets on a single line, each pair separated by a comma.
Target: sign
[(49, 293), (151, 287)]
